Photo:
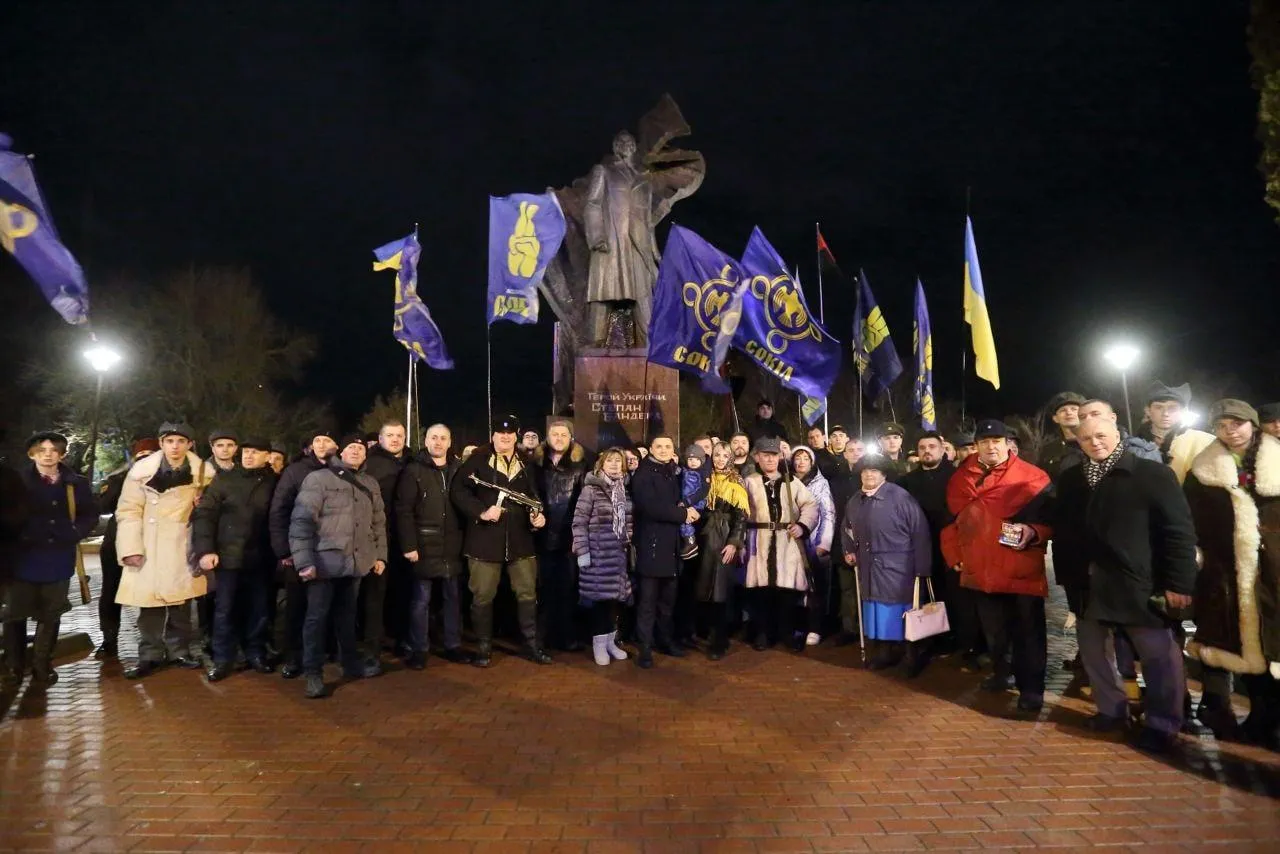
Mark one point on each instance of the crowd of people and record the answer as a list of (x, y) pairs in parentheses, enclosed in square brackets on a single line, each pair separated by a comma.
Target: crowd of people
[(374, 550)]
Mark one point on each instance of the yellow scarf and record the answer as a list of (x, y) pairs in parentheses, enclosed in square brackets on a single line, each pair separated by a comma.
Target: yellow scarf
[(727, 487)]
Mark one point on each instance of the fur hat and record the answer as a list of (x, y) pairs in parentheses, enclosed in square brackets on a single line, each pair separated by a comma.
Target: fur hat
[(175, 428), (1061, 399), (1158, 391)]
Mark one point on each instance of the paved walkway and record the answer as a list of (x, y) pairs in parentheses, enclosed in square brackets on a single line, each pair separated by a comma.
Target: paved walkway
[(760, 752)]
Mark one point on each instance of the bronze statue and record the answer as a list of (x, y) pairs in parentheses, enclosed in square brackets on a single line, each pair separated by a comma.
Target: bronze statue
[(600, 285)]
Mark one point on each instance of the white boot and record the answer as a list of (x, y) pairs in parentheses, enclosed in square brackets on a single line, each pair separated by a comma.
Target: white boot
[(616, 651), (600, 649)]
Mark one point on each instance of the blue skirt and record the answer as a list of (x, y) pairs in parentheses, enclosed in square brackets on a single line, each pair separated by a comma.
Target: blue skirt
[(884, 622)]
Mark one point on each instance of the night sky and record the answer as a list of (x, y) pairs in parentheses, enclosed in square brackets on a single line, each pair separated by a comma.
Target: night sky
[(1109, 147)]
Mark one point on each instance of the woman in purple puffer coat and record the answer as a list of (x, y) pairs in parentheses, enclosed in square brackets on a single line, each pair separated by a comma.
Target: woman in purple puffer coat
[(602, 528)]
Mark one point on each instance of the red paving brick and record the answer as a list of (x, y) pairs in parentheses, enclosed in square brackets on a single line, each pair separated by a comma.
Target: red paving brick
[(758, 753)]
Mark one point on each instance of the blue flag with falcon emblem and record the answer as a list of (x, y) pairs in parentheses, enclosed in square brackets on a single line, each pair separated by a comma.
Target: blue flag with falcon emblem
[(873, 352), (412, 326), (697, 303), (27, 233), (780, 334)]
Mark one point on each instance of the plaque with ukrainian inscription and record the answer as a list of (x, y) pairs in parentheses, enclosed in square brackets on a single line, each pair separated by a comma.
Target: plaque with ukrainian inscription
[(620, 399)]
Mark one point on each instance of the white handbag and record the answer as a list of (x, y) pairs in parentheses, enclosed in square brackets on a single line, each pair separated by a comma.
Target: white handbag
[(927, 621)]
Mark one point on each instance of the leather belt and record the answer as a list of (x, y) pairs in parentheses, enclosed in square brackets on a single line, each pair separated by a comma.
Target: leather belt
[(770, 526)]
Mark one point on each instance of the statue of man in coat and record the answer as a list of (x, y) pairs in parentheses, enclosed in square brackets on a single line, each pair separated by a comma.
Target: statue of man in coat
[(618, 220), (600, 284)]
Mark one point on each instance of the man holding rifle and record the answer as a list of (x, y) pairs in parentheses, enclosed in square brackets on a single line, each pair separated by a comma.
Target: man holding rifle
[(495, 494)]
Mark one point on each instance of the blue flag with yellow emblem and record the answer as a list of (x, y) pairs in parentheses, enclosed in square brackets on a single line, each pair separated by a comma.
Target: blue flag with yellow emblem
[(778, 332), (27, 233), (923, 341), (413, 326), (525, 232), (873, 351), (697, 303)]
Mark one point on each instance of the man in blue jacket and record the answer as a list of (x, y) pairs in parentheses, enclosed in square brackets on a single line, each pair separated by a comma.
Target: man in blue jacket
[(60, 514)]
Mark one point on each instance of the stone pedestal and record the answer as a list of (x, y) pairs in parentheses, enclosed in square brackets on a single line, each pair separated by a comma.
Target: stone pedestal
[(621, 399)]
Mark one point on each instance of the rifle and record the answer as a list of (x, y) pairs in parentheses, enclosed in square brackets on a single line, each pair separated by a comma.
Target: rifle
[(505, 493)]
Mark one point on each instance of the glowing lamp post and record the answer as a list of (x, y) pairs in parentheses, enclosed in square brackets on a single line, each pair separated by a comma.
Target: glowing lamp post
[(102, 359), (1122, 357)]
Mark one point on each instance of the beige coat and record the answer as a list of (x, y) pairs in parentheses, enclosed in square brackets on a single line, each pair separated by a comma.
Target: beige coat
[(1184, 449), (803, 509), (155, 525)]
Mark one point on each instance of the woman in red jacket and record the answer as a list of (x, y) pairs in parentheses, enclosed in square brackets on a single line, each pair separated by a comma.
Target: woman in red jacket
[(999, 550)]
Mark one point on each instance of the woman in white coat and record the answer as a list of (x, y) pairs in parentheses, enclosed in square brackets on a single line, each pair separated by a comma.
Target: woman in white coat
[(153, 537)]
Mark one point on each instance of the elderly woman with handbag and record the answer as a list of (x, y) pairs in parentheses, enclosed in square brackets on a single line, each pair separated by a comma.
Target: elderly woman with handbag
[(885, 538), (602, 529)]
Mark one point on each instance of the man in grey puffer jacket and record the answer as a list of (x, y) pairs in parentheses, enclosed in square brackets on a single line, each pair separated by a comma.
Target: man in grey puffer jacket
[(337, 535)]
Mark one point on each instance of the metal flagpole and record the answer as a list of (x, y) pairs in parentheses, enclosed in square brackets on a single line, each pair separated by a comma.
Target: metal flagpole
[(417, 404), (488, 371), (822, 309), (859, 406), (964, 347), (408, 403)]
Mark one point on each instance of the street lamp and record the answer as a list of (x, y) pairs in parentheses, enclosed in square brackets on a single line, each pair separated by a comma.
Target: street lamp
[(1122, 357), (102, 359)]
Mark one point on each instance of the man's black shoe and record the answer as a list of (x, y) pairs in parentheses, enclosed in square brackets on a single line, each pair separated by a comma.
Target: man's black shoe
[(645, 659), (186, 662), (537, 654), (291, 670), (416, 661), (315, 687), (107, 649), (997, 684), (761, 643), (457, 655), (218, 672), (371, 668), (714, 654), (141, 670), (1027, 703), (1151, 740), (572, 645), (483, 656), (672, 649), (260, 665), (1105, 723)]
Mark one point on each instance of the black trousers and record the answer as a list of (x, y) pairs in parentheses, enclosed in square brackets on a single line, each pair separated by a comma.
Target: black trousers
[(108, 610), (295, 617), (603, 617), (1013, 621), (717, 616), (373, 597), (773, 611), (557, 598), (816, 603), (962, 614), (656, 606), (686, 614)]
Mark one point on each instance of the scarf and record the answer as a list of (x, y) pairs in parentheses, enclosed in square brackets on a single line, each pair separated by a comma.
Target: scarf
[(618, 498), (727, 488), (1094, 472)]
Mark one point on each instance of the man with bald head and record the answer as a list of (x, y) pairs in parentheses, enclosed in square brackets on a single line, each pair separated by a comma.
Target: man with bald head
[(1125, 521), (1098, 408)]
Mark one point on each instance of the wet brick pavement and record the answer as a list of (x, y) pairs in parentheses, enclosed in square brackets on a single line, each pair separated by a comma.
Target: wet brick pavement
[(762, 752)]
